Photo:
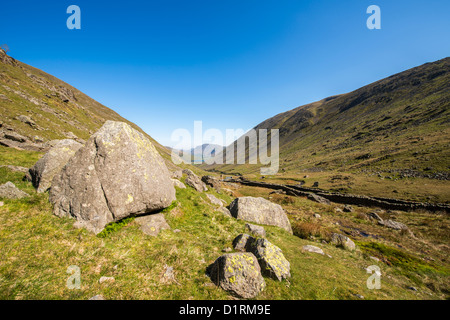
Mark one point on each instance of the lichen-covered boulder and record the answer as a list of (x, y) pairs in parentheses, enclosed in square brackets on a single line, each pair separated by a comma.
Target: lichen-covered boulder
[(271, 259), (194, 181), (51, 163), (117, 173), (238, 273), (261, 211), (343, 241)]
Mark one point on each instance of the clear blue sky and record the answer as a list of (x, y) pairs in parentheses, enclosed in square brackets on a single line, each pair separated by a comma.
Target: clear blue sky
[(230, 63)]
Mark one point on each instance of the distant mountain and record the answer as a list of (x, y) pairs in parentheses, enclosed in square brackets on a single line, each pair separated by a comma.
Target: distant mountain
[(197, 152), (400, 123), (36, 107)]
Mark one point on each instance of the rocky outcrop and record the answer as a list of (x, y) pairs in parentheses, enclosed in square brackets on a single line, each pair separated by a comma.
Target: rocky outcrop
[(51, 163), (261, 211), (194, 181), (238, 273), (117, 173), (9, 190), (318, 199), (214, 200), (314, 249)]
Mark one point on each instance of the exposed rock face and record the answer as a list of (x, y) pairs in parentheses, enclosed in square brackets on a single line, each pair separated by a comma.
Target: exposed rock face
[(270, 258), (152, 224), (261, 211), (117, 173), (238, 273), (194, 181), (343, 241), (255, 230), (10, 191), (51, 163)]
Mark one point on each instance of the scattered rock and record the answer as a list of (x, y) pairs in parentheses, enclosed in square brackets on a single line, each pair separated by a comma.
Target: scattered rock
[(10, 191), (177, 174), (343, 241), (317, 216), (261, 211), (194, 181), (271, 259), (359, 296), (225, 211), (152, 224), (313, 249), (27, 120), (412, 288), (375, 216), (238, 274), (168, 275), (117, 173), (338, 210), (2, 203), (97, 297), (279, 191), (227, 249), (212, 182), (106, 279), (348, 208), (241, 241), (315, 184), (374, 258), (393, 224), (51, 163), (178, 183), (214, 200), (255, 230), (15, 168), (317, 198), (14, 136)]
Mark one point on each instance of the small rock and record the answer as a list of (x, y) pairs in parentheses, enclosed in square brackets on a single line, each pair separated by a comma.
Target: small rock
[(176, 230), (375, 216), (178, 183), (318, 199), (359, 296), (315, 184), (168, 275), (240, 242), (412, 288), (227, 249), (1, 203), (214, 200), (97, 297), (106, 279), (374, 258), (152, 224), (313, 249), (343, 241), (194, 181), (10, 191), (255, 230), (317, 216), (348, 208)]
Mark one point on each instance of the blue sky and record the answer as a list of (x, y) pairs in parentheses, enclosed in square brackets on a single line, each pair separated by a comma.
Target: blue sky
[(232, 64)]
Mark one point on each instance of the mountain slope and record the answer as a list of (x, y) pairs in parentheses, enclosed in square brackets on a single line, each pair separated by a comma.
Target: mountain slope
[(41, 108), (398, 125)]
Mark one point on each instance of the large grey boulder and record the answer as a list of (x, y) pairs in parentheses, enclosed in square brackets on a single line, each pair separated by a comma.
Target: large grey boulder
[(271, 259), (9, 190), (51, 163), (238, 273), (260, 211), (116, 174), (194, 181)]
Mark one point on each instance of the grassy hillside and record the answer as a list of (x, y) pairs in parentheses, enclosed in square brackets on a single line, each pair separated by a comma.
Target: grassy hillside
[(394, 132), (37, 248)]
